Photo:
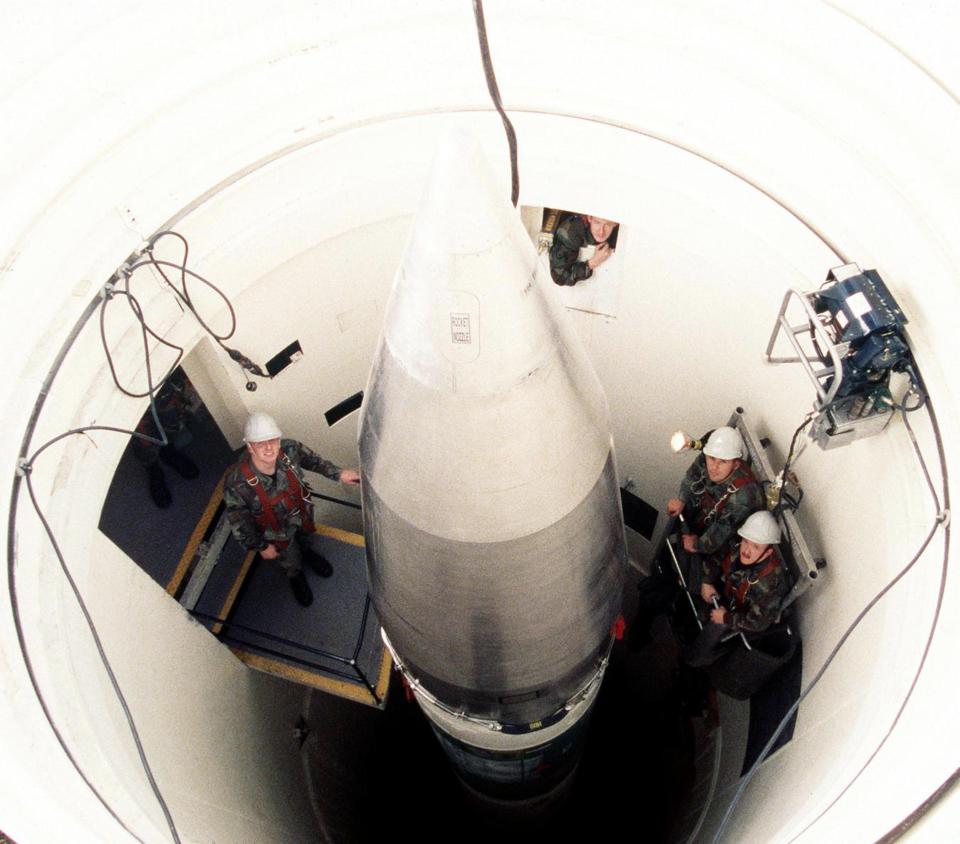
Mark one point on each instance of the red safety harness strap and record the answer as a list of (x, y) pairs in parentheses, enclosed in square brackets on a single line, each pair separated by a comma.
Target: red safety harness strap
[(710, 507), (736, 597), (294, 497)]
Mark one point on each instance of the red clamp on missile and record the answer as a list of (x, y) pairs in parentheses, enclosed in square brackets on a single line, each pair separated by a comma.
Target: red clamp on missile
[(618, 628)]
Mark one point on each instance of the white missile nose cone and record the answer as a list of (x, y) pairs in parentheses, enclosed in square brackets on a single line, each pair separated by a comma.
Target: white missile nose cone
[(480, 383), (464, 206), (494, 539), (466, 312)]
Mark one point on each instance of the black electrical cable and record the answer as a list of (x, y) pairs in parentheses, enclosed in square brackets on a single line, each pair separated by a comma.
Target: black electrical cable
[(183, 295), (11, 565), (26, 468), (138, 312), (918, 388), (92, 627), (791, 455), (942, 518), (907, 823), (494, 90), (791, 452)]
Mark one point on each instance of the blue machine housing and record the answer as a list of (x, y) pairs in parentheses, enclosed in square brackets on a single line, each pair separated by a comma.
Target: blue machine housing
[(865, 315)]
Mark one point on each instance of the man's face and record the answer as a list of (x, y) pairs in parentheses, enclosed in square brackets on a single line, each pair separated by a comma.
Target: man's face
[(266, 451), (601, 229), (752, 552), (718, 469)]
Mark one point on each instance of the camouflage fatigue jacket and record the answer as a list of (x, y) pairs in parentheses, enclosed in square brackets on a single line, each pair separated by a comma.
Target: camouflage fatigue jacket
[(763, 589), (715, 511), (565, 264), (243, 503)]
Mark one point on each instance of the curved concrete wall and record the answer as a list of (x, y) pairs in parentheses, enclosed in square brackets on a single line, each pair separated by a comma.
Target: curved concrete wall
[(746, 149)]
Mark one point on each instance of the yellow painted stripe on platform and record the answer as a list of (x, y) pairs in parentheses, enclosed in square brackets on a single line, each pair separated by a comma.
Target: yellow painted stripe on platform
[(197, 536), (386, 663), (341, 688), (234, 590), (345, 536)]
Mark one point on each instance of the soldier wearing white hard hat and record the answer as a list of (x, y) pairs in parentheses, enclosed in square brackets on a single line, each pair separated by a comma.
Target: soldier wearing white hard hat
[(717, 494), (751, 579), (268, 501)]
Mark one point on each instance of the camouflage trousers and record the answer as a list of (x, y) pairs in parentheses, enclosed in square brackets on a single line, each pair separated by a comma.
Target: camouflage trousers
[(290, 558)]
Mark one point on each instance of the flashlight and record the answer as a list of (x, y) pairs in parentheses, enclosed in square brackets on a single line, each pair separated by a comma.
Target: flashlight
[(681, 442)]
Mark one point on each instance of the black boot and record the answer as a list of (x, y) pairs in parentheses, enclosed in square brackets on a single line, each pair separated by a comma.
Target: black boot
[(180, 463), (301, 590), (319, 563), (159, 491)]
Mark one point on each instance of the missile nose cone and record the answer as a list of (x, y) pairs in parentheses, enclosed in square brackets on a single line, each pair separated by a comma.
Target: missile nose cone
[(459, 186), (465, 315), (480, 370), (495, 545)]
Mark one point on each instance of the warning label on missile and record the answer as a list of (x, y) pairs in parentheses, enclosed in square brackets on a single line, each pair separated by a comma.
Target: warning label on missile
[(460, 328), (456, 326)]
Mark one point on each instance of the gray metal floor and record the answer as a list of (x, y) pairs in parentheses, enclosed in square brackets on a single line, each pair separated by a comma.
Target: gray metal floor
[(156, 537), (258, 615), (313, 645)]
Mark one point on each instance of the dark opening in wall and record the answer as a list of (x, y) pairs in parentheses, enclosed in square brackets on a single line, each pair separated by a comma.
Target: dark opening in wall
[(344, 408), (638, 515), (282, 359)]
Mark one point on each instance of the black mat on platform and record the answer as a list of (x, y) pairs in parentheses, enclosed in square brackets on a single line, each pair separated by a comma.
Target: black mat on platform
[(156, 538), (266, 619)]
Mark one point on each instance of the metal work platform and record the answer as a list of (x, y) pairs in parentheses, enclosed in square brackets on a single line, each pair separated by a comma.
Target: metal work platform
[(334, 645)]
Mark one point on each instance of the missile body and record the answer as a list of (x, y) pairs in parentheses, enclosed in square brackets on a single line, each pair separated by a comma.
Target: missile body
[(494, 536)]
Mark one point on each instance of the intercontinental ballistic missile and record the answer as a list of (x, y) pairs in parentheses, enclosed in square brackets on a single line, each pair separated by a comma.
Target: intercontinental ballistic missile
[(494, 536)]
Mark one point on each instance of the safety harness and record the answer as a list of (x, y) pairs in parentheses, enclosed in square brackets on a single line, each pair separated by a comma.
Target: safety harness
[(735, 596), (710, 507), (295, 499)]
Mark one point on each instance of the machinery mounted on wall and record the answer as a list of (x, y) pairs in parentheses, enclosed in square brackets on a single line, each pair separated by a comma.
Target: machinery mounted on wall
[(850, 341)]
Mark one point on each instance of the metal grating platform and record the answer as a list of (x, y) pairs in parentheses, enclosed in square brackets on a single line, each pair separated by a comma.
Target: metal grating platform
[(334, 645)]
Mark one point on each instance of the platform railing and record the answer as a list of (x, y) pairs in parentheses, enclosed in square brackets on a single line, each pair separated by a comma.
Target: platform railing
[(231, 633)]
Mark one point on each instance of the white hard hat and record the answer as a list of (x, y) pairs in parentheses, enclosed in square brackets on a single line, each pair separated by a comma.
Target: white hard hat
[(761, 527), (724, 444), (260, 427)]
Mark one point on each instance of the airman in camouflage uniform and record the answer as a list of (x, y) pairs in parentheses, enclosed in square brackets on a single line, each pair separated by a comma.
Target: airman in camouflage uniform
[(575, 232), (268, 503), (753, 588), (176, 403), (715, 509)]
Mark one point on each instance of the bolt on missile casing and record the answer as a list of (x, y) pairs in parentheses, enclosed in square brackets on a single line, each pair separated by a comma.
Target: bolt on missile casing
[(495, 545)]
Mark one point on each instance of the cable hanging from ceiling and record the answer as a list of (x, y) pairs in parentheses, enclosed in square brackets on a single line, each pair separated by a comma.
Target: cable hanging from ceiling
[(494, 90), (941, 502), (119, 285)]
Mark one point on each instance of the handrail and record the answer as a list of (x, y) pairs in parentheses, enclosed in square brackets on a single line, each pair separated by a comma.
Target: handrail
[(351, 661), (693, 606), (815, 327)]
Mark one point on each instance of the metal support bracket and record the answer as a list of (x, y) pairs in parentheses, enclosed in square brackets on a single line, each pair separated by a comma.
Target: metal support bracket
[(815, 328)]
